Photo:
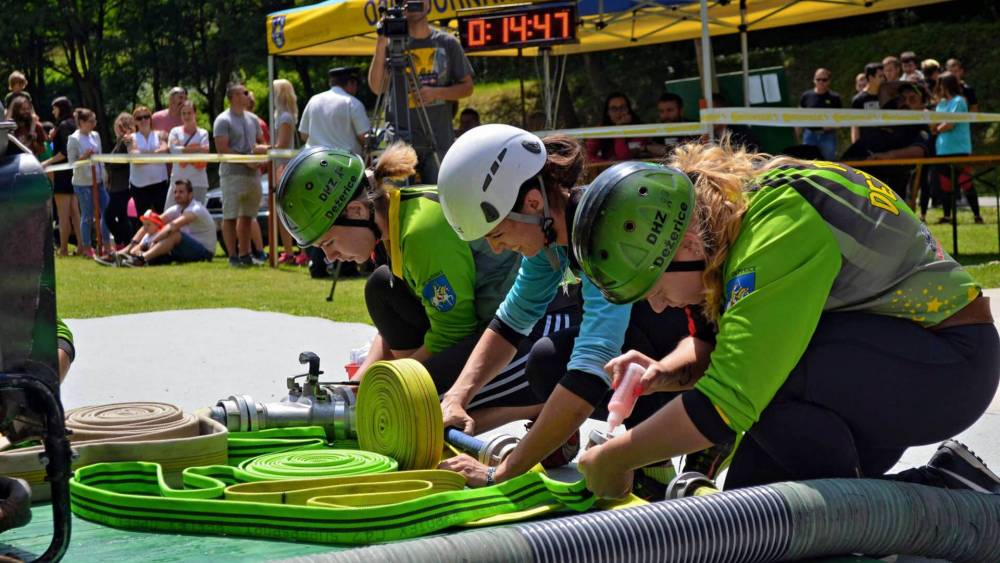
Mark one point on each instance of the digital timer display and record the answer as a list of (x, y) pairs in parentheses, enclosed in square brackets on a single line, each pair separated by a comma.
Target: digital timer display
[(531, 26)]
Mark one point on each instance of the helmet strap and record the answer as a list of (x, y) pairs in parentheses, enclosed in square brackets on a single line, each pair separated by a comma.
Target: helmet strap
[(686, 266), (365, 223), (545, 221)]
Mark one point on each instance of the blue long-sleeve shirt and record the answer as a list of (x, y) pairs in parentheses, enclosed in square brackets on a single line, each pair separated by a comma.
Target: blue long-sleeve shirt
[(602, 332)]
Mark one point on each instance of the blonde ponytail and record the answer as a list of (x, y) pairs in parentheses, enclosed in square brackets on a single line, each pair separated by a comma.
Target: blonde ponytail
[(398, 162), (722, 173)]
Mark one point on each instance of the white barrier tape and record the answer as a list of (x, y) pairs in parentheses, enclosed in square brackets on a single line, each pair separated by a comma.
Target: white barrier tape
[(775, 117), (689, 128), (190, 158), (802, 117)]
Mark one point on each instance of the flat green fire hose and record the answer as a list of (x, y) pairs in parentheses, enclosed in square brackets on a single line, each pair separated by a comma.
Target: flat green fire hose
[(288, 485)]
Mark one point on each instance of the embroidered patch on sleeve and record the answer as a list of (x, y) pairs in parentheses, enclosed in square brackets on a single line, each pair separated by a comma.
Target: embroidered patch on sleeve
[(739, 287), (439, 293)]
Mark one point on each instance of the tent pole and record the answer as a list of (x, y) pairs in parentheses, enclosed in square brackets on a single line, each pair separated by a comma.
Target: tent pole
[(520, 77), (272, 225), (744, 53), (547, 95), (706, 62)]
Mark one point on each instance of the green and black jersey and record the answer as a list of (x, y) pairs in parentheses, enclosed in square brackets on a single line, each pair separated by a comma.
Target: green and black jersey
[(460, 284), (818, 237)]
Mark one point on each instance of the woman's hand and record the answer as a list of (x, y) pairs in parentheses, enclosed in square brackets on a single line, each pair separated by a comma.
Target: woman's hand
[(603, 476), (617, 367), (454, 413), (473, 471), (657, 378)]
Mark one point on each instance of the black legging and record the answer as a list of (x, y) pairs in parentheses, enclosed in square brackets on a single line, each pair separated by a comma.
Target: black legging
[(653, 334), (402, 323), (116, 216), (867, 388), (150, 197)]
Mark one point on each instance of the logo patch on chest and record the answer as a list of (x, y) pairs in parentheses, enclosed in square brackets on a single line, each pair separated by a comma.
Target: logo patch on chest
[(439, 293), (739, 287)]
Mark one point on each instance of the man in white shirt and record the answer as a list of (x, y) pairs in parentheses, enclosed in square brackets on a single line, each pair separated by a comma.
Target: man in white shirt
[(184, 233), (335, 118)]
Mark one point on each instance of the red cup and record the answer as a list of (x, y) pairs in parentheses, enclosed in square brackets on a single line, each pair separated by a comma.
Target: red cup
[(351, 369)]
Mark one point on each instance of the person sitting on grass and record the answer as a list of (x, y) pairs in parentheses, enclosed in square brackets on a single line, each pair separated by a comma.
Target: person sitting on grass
[(184, 233)]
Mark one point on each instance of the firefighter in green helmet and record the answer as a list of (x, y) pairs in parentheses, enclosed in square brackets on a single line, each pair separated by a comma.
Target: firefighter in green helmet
[(845, 333), (436, 294)]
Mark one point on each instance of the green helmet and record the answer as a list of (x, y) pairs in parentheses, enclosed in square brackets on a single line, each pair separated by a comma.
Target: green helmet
[(314, 190), (628, 226)]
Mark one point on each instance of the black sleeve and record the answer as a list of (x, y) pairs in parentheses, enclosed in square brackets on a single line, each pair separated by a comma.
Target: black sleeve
[(922, 138), (59, 141), (705, 417), (835, 100), (970, 95), (509, 334), (803, 99), (587, 386)]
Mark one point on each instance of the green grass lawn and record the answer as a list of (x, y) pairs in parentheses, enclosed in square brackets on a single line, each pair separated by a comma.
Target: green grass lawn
[(86, 289), (977, 244)]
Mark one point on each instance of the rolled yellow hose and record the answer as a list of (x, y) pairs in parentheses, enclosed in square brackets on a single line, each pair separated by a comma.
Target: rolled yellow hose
[(399, 414), (317, 463)]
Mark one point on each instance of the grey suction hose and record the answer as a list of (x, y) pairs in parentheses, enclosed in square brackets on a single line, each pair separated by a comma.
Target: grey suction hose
[(780, 522)]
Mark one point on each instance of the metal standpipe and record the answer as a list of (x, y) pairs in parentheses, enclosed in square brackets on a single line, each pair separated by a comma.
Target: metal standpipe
[(241, 413), (314, 403)]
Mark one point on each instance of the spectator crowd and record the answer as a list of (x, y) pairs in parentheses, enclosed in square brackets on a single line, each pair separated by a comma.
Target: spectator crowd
[(127, 196), (165, 204)]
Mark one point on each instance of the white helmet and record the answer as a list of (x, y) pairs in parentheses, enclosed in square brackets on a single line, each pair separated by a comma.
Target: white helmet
[(482, 174)]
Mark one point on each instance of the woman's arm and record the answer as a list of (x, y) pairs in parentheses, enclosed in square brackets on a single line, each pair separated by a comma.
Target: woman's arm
[(194, 147), (668, 433), (561, 416), (283, 139), (161, 146), (490, 355), (72, 150)]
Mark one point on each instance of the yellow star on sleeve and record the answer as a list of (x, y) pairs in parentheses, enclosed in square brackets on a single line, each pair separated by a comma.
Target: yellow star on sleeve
[(972, 293), (933, 306)]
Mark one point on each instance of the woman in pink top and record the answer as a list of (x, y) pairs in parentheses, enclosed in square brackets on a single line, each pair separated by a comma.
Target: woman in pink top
[(617, 111)]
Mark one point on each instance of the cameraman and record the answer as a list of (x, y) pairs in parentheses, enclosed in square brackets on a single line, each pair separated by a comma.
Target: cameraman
[(444, 75)]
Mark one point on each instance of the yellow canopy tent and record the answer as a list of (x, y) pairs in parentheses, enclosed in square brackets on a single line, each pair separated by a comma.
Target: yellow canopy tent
[(347, 27)]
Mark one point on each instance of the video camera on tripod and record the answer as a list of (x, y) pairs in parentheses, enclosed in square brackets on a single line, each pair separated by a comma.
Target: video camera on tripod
[(393, 21), (403, 81)]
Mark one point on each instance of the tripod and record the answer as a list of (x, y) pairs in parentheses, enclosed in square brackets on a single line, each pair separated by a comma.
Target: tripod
[(403, 83)]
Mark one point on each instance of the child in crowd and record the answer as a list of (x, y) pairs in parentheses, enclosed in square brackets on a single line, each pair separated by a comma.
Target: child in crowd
[(17, 83)]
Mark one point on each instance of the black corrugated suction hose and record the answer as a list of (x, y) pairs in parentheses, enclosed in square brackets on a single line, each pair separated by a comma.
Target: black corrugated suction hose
[(15, 503), (780, 522)]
